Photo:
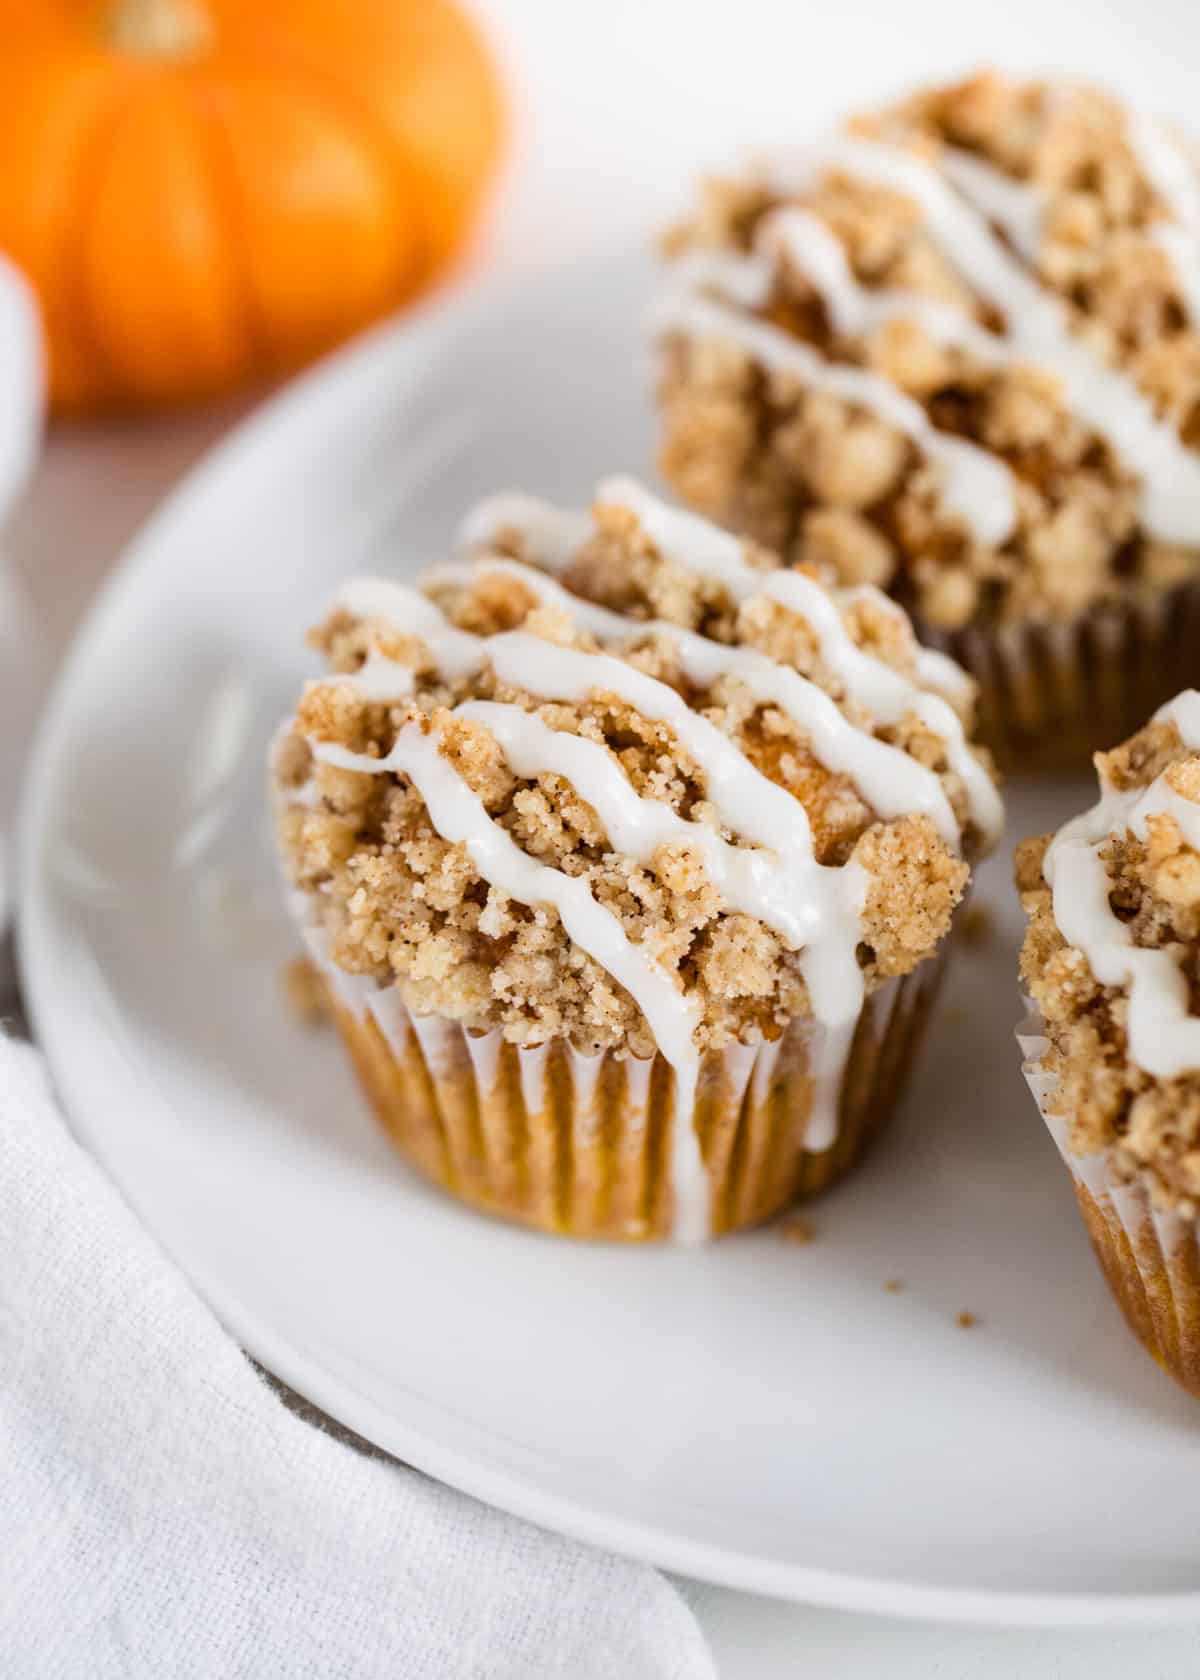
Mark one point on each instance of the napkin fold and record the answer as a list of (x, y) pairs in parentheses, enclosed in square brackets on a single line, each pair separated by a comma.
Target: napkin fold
[(163, 1513)]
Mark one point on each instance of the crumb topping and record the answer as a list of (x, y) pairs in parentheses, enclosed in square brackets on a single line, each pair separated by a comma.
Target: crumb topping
[(1150, 1126), (401, 903), (823, 479)]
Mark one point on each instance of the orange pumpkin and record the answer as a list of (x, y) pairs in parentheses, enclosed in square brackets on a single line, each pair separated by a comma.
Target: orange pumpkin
[(209, 191)]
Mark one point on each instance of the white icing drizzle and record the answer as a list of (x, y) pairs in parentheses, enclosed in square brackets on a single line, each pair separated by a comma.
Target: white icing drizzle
[(856, 310), (778, 889), (1019, 207), (744, 280), (1184, 713), (601, 622), (885, 693), (814, 250), (394, 603), (935, 670), (1108, 400), (1172, 174), (695, 544), (1015, 206), (555, 532), (455, 652), (944, 676), (892, 781), (1167, 166), (977, 485), (1164, 1037), (381, 678)]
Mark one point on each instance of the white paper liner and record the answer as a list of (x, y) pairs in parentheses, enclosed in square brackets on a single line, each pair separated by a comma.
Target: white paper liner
[(743, 1078), (1151, 1255), (1131, 1201), (441, 1042)]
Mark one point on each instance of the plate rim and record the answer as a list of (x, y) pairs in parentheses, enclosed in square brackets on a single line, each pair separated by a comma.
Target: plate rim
[(264, 428)]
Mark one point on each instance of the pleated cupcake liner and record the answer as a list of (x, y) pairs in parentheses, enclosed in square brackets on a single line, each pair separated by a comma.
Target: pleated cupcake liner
[(1149, 1255), (1052, 694), (581, 1145)]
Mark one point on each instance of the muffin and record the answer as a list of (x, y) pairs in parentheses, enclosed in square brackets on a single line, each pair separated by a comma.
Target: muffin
[(954, 351), (628, 856), (1112, 963)]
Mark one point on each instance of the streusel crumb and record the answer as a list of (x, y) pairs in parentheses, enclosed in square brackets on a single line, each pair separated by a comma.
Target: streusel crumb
[(1149, 1126), (400, 903), (306, 993), (824, 481)]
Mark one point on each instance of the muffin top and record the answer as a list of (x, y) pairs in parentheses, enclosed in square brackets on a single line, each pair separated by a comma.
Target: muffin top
[(621, 779), (953, 349), (1112, 958)]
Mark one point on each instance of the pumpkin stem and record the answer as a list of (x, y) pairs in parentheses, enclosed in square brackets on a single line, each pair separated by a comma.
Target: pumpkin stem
[(171, 29)]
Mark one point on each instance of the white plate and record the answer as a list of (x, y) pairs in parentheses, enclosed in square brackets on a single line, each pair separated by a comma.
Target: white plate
[(761, 1414)]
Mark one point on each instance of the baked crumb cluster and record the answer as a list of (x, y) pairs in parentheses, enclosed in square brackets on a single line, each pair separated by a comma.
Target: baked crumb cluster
[(823, 481), (1151, 1127), (401, 904)]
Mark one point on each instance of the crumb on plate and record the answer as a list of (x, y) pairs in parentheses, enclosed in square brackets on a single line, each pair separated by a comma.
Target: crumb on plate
[(304, 990)]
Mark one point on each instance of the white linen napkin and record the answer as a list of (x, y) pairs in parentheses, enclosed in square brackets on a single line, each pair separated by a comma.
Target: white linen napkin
[(162, 1513)]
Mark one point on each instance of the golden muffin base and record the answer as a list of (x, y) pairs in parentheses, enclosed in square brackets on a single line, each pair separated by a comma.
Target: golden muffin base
[(1150, 1256), (530, 1136), (1153, 1268), (1052, 694)]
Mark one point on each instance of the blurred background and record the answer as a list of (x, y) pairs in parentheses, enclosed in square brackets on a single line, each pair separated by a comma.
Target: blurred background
[(609, 110)]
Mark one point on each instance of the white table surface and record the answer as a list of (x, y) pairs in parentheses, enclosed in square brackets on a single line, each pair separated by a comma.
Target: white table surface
[(94, 487), (646, 91)]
